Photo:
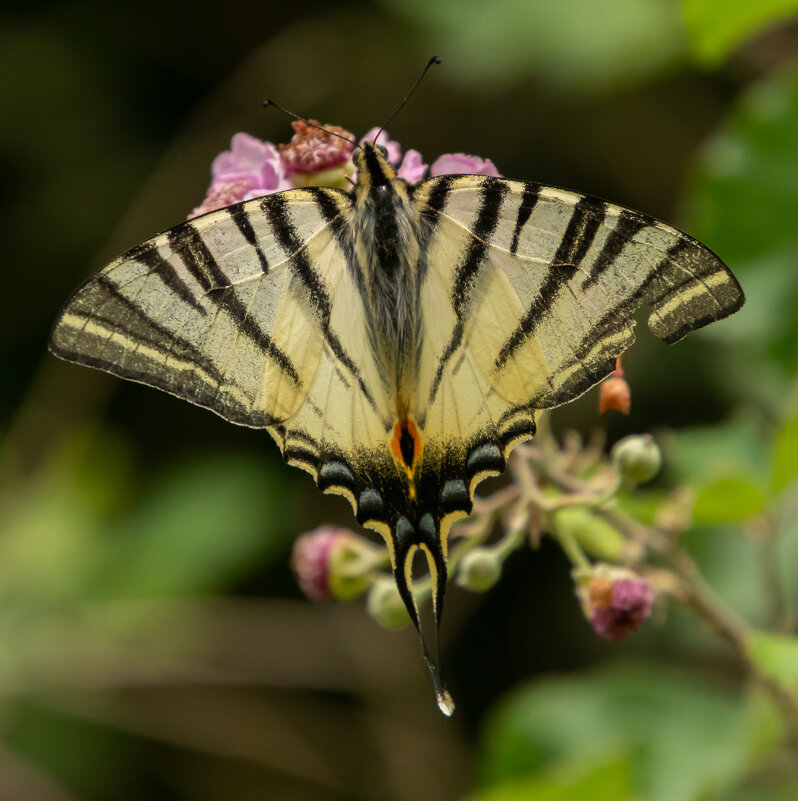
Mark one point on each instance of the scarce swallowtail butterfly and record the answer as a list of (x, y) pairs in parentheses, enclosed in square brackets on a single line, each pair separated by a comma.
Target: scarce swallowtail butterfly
[(396, 341)]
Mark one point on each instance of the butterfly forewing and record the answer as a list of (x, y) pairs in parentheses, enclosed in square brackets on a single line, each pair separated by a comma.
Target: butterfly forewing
[(549, 304), (217, 310)]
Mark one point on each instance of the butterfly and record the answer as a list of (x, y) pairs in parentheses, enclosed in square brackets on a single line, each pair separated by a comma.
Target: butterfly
[(396, 341)]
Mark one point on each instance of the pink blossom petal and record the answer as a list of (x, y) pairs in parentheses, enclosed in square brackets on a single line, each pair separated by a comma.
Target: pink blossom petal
[(629, 607), (221, 194), (412, 169), (310, 560), (246, 155), (257, 193), (394, 148), (460, 164), (273, 176)]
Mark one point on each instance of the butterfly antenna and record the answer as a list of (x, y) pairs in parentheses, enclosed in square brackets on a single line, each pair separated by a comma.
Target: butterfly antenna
[(267, 103), (433, 60)]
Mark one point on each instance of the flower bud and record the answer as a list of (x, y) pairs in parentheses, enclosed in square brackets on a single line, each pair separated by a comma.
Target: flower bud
[(312, 558), (615, 600), (615, 395), (385, 605), (637, 458), (479, 570), (593, 534)]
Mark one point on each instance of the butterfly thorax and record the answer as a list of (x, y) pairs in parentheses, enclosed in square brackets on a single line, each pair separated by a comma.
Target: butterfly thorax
[(387, 250)]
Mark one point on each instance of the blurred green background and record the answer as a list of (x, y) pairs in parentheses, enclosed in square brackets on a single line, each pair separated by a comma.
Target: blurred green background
[(153, 643)]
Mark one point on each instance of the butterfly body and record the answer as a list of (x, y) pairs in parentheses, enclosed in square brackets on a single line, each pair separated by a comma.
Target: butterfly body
[(395, 340), (387, 234)]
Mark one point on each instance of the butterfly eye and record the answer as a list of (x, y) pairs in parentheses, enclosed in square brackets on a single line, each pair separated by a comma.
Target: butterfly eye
[(383, 150)]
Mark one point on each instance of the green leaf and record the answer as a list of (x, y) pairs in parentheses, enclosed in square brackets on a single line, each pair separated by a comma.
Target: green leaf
[(717, 27), (785, 456), (684, 737), (53, 520), (727, 500), (703, 454), (606, 782), (200, 527), (777, 657), (743, 202)]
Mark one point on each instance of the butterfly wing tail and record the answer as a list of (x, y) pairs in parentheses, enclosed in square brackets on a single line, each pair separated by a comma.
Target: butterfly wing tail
[(407, 540)]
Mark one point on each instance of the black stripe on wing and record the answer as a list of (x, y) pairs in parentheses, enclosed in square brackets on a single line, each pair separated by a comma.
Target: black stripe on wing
[(275, 208), (240, 216), (627, 225), (429, 214), (529, 199), (149, 254), (492, 194), (585, 221), (187, 243)]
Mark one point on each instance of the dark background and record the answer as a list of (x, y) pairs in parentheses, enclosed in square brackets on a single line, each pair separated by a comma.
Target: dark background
[(155, 645)]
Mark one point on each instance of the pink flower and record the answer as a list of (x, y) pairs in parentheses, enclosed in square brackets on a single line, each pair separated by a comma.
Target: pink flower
[(312, 149), (221, 194), (335, 563), (412, 169), (251, 168), (311, 560), (618, 607), (460, 164), (315, 156)]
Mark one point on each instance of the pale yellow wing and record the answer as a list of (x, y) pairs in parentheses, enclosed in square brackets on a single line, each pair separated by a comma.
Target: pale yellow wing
[(529, 296), (253, 312)]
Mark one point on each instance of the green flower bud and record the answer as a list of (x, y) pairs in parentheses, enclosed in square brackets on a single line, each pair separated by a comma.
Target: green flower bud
[(385, 605), (593, 534), (479, 570), (333, 563), (637, 458), (351, 568)]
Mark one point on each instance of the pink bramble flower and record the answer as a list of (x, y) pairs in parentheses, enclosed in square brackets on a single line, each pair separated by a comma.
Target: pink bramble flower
[(460, 164), (334, 563), (315, 147), (311, 561), (615, 600), (412, 169), (251, 168), (315, 156)]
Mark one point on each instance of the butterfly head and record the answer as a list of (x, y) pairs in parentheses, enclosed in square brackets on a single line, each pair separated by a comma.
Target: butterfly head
[(373, 167)]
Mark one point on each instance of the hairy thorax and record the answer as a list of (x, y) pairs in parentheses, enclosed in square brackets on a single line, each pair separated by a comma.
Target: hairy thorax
[(387, 249)]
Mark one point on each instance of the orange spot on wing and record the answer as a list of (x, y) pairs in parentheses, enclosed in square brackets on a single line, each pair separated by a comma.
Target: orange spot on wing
[(406, 443)]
